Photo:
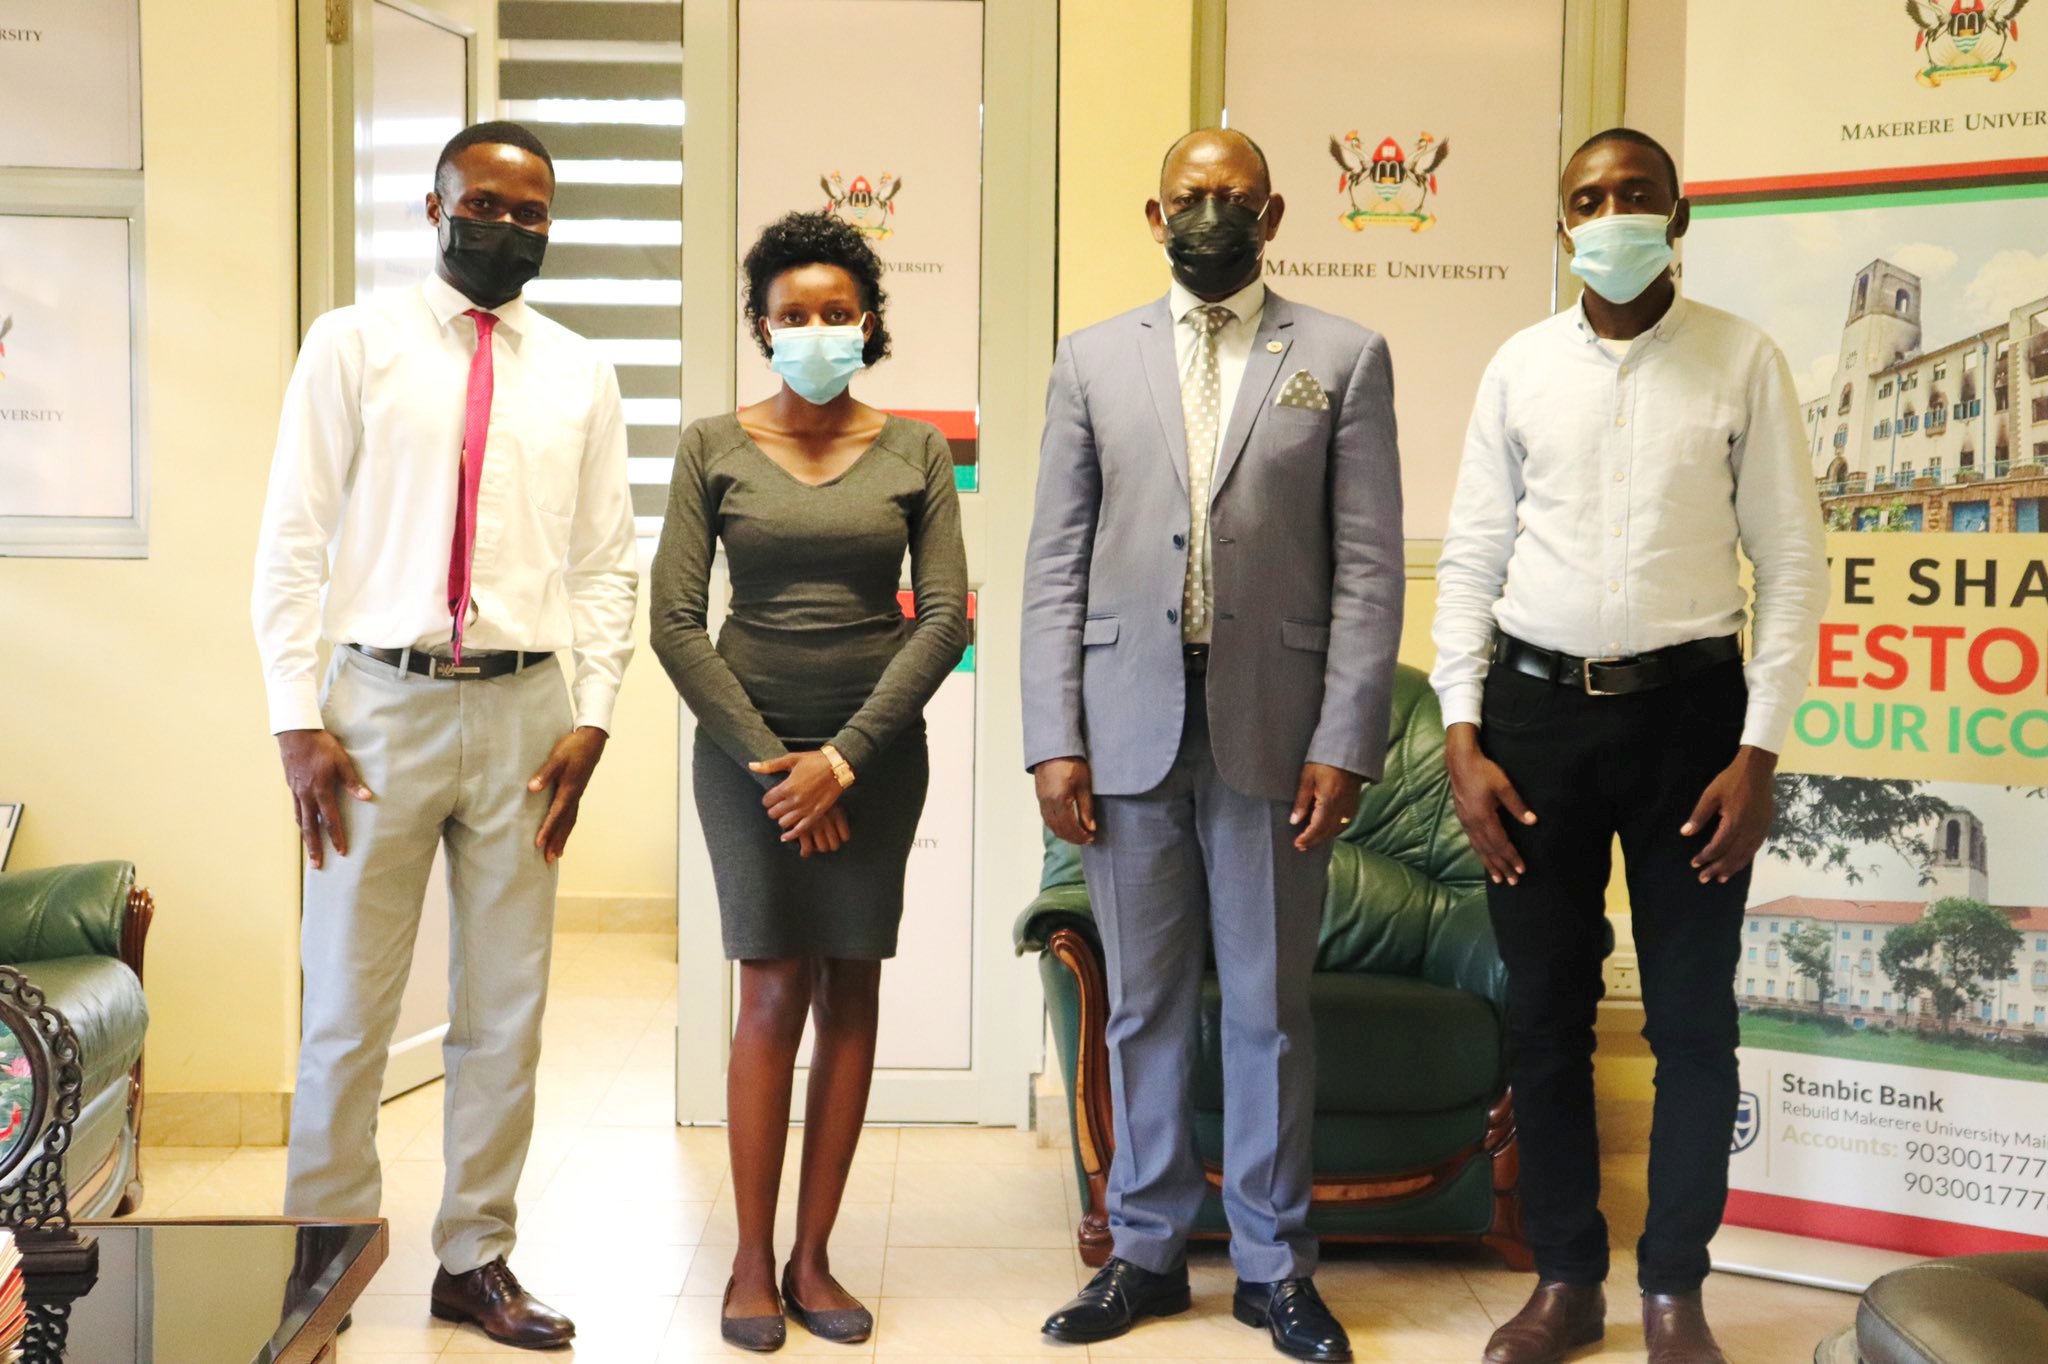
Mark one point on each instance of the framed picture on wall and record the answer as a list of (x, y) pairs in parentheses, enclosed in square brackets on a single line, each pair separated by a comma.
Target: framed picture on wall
[(71, 466), (51, 52), (10, 820)]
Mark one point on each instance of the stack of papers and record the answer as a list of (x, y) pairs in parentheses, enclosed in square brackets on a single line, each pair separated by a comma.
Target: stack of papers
[(13, 1299)]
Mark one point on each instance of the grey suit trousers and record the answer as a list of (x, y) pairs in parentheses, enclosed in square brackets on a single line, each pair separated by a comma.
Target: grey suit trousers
[(1169, 869), (448, 762)]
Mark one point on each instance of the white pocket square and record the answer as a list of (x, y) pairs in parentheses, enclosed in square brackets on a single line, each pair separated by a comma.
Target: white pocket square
[(1302, 390)]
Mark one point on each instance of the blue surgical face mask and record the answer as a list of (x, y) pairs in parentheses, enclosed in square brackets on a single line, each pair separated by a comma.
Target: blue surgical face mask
[(1623, 255), (817, 362)]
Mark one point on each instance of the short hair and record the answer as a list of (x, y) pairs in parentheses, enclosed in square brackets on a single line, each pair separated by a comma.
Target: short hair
[(798, 239), (1265, 170), (1634, 138), (490, 133)]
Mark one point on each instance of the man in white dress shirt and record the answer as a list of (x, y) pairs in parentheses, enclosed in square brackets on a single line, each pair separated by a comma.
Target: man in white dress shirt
[(1589, 609), (449, 509)]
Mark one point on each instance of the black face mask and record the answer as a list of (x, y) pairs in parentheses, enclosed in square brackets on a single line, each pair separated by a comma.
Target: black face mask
[(1215, 247), (491, 262)]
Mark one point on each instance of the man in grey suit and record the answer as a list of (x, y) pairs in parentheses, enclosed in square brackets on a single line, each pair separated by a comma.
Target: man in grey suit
[(1211, 610)]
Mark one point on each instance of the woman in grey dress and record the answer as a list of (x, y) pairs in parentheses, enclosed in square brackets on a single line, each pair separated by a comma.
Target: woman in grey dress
[(810, 765)]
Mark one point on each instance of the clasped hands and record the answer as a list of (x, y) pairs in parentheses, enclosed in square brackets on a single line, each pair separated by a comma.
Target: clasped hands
[(805, 803), (1327, 797)]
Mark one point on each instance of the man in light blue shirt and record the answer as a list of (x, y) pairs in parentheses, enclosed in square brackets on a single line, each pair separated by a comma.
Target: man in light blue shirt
[(1623, 457)]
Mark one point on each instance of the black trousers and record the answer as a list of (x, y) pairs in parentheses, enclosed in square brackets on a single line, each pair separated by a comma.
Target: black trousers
[(1593, 768)]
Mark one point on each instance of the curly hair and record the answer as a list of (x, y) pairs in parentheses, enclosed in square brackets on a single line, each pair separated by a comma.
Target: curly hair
[(799, 239)]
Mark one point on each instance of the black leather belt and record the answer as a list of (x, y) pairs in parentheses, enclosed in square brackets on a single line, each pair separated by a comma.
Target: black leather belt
[(1196, 656), (477, 668), (1616, 676)]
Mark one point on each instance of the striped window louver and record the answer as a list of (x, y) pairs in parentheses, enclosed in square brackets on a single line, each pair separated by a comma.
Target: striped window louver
[(601, 83)]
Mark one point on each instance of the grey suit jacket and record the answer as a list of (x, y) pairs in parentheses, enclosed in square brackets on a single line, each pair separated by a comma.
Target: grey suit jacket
[(1305, 527)]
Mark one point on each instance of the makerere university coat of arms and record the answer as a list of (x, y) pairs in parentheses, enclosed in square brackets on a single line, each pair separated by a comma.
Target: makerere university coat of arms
[(1969, 38), (865, 206), (1396, 187)]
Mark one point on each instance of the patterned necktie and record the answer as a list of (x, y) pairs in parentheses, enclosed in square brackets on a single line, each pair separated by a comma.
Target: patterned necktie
[(469, 475), (1201, 407)]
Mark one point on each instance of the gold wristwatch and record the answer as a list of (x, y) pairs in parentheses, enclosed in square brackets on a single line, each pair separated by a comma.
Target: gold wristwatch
[(840, 769)]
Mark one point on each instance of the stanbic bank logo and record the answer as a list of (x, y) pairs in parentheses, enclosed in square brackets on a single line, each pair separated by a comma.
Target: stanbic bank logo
[(1387, 185), (1969, 38), (1749, 1123)]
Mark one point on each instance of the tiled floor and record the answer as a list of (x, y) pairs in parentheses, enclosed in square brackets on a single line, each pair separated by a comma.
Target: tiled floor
[(959, 1239)]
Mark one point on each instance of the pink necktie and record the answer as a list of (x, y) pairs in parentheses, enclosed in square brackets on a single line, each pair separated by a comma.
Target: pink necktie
[(469, 475)]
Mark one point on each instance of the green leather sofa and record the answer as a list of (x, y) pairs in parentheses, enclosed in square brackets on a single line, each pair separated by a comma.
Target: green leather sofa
[(77, 934), (1415, 1133)]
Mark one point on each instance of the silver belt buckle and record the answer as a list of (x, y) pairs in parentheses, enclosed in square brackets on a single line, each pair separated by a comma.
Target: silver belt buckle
[(1586, 666)]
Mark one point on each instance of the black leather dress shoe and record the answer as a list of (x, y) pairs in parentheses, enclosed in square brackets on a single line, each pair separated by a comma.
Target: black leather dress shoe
[(1293, 1312), (491, 1300), (1119, 1297)]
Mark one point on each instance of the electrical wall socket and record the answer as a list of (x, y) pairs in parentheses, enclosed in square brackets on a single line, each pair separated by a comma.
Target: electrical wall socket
[(1620, 975)]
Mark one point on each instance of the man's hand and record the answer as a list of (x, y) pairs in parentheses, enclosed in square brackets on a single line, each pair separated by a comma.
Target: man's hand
[(801, 800), (1742, 799), (1327, 798), (828, 835), (568, 770), (1482, 794), (315, 765), (1066, 798)]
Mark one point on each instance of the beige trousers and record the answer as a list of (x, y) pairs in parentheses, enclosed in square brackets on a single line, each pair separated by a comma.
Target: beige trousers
[(449, 763)]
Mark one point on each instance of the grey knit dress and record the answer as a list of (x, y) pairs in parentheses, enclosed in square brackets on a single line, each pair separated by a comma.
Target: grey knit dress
[(815, 650)]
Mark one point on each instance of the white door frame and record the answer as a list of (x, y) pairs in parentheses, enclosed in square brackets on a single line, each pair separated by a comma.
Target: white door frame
[(1020, 96)]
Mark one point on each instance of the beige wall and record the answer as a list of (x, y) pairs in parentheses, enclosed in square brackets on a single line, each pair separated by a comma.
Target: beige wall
[(624, 847), (134, 718), (1126, 73)]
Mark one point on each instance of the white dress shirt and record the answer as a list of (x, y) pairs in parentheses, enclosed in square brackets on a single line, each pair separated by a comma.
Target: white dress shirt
[(1602, 499), (1233, 350), (360, 518)]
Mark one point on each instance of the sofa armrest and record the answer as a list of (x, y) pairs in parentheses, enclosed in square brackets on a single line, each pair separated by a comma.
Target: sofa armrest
[(1462, 954), (1054, 909), (72, 911)]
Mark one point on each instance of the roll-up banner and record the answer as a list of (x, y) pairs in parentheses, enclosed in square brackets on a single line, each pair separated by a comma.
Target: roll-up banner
[(1419, 167), (891, 145), (1872, 192)]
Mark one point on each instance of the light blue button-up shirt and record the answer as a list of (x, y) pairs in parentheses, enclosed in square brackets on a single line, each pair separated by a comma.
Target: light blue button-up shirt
[(1602, 501)]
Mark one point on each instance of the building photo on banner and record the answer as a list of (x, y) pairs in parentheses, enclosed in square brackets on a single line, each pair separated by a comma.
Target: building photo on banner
[(1421, 195), (1889, 228), (906, 172)]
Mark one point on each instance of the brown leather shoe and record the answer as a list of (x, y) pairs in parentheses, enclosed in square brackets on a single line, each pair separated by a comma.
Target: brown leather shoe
[(491, 1300), (1557, 1319), (1675, 1330)]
